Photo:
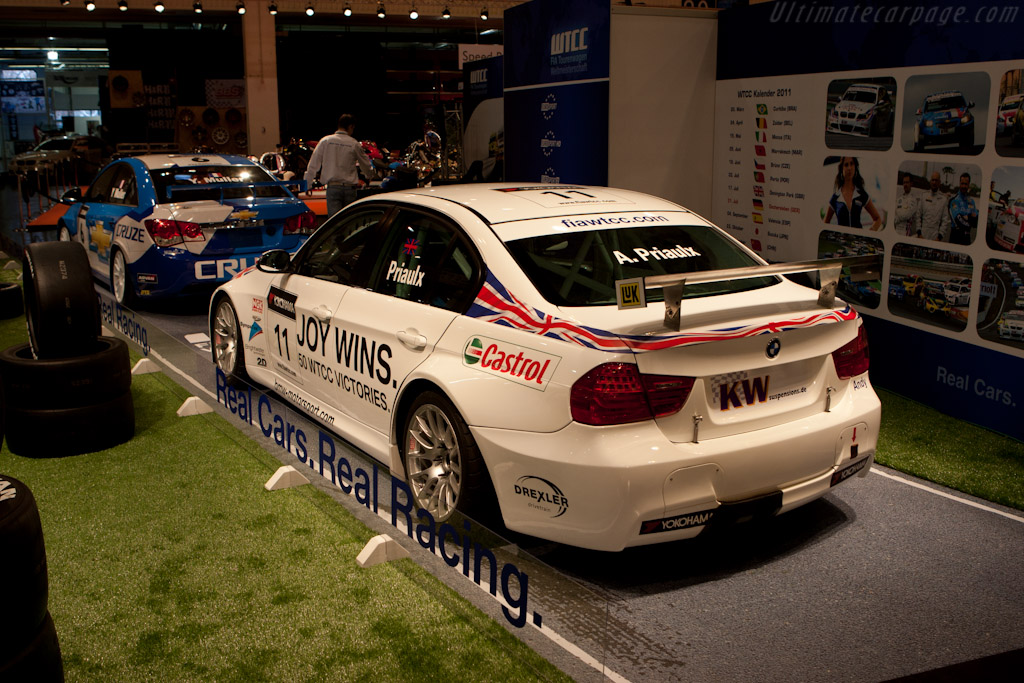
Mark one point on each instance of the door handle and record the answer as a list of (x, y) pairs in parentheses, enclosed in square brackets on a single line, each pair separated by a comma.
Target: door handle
[(322, 313), (412, 339)]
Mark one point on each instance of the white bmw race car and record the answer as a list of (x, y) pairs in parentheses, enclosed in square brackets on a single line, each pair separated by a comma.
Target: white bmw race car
[(607, 367)]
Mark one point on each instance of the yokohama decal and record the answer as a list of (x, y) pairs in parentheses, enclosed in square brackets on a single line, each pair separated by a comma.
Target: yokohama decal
[(496, 304)]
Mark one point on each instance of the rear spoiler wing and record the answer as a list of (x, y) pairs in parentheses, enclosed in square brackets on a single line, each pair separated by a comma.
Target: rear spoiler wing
[(631, 293)]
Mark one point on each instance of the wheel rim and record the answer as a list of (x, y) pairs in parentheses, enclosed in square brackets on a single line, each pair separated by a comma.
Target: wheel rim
[(433, 461), (225, 337), (118, 279)]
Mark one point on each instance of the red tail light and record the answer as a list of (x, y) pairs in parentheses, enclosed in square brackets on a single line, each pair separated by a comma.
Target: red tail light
[(302, 224), (166, 233), (617, 393), (853, 359)]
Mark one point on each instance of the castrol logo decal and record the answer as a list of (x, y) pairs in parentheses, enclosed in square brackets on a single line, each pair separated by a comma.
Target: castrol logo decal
[(521, 365)]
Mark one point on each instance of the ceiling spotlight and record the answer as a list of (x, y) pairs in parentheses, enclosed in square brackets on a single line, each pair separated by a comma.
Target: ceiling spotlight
[(483, 14), (446, 14), (65, 3), (52, 55), (272, 8), (158, 6), (240, 7), (348, 11), (413, 14), (197, 7), (309, 10), (89, 5), (380, 11), (122, 5)]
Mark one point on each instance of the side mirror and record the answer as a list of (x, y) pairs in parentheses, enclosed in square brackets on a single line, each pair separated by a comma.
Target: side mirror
[(275, 261), (71, 196), (918, 112), (970, 104)]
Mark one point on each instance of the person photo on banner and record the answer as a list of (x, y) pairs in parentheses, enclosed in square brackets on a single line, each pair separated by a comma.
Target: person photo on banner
[(850, 198), (908, 209), (934, 221), (963, 214)]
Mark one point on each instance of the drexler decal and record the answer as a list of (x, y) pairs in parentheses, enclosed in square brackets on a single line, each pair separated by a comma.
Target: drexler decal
[(543, 494), (283, 302), (516, 363), (687, 521)]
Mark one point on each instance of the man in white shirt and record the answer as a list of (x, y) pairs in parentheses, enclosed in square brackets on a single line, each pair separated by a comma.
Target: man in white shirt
[(934, 223), (335, 160), (908, 210)]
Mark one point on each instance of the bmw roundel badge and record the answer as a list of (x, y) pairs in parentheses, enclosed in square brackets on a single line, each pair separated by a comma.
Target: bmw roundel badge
[(773, 348)]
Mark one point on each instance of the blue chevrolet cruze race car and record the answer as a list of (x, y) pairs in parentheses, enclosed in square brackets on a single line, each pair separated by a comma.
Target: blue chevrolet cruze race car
[(944, 118), (165, 224)]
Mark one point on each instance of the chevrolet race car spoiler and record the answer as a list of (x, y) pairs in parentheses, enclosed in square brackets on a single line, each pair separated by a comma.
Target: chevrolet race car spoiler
[(173, 189), (631, 293)]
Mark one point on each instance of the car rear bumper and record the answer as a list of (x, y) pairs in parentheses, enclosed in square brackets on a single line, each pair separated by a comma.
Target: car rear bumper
[(608, 488)]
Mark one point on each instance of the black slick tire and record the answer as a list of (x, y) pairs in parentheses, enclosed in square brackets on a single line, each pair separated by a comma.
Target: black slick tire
[(60, 303), (12, 303), (46, 433), (23, 576), (100, 374), (39, 662)]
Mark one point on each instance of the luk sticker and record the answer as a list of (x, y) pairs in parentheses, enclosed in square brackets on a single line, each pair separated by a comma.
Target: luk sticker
[(516, 363), (283, 302)]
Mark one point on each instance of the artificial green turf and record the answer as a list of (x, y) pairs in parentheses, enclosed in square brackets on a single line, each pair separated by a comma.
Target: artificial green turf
[(927, 444), (169, 561)]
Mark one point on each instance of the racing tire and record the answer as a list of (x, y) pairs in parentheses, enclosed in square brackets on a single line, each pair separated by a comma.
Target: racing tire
[(121, 281), (12, 303), (226, 343), (23, 574), (101, 374), (39, 662), (443, 465), (58, 432), (60, 303)]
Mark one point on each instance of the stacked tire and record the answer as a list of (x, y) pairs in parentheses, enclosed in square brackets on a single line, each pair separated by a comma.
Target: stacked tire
[(29, 649), (68, 389)]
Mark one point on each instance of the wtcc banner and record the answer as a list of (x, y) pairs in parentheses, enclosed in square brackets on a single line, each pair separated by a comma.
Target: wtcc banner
[(557, 56)]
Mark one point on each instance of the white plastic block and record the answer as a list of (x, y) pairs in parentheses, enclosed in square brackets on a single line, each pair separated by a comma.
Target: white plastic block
[(193, 406), (12, 265), (285, 478), (381, 548), (3, 255), (144, 367)]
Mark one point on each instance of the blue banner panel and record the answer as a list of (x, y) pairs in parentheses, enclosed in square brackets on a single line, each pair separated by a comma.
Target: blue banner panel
[(558, 134), (553, 41), (808, 36), (970, 383), (482, 80)]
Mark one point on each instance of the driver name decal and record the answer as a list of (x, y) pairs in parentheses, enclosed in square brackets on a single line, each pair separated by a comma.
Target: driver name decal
[(405, 276), (655, 254)]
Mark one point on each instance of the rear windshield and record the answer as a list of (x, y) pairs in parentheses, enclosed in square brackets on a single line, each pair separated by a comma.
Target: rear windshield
[(859, 96), (580, 268), (210, 183)]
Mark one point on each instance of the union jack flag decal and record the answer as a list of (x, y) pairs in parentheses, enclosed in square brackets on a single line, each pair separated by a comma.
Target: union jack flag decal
[(496, 304)]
